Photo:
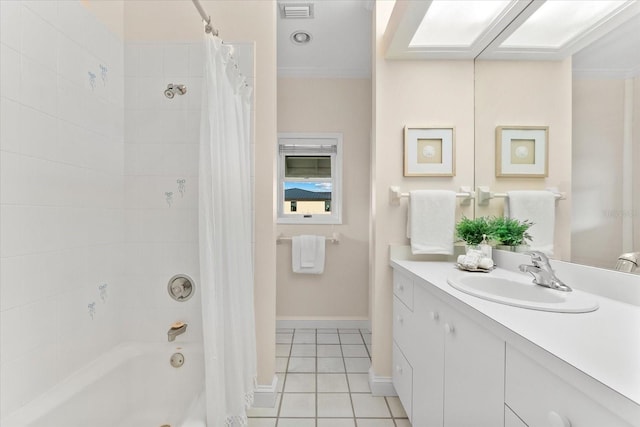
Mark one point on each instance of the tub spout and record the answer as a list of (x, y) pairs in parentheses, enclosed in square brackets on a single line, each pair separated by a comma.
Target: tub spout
[(176, 329)]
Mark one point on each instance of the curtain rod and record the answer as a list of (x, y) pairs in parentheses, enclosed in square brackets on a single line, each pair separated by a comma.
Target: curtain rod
[(206, 18)]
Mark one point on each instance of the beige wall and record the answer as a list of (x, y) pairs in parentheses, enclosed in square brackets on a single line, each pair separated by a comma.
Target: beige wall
[(414, 93), (341, 292), (598, 134), (521, 93), (249, 20)]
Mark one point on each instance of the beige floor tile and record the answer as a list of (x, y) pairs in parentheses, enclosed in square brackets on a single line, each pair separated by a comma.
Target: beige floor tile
[(262, 422), (300, 383), (298, 405), (330, 364), (350, 339), (334, 405), (328, 339), (359, 383), (397, 410), (354, 350), (375, 423), (302, 364), (366, 405), (330, 350), (358, 365), (332, 383), (282, 350), (304, 338), (302, 350), (297, 422), (281, 364), (336, 422)]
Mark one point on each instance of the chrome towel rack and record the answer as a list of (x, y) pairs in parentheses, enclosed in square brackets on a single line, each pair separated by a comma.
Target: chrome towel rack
[(466, 194)]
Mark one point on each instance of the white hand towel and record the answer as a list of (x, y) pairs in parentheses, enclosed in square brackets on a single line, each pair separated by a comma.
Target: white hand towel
[(312, 253), (431, 221), (539, 207)]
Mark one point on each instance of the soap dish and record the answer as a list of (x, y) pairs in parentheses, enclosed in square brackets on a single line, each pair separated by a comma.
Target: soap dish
[(474, 270)]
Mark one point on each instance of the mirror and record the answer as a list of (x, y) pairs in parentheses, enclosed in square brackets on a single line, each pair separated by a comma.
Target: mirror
[(591, 103)]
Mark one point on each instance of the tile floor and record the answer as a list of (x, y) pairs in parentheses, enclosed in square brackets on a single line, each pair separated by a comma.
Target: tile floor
[(323, 380)]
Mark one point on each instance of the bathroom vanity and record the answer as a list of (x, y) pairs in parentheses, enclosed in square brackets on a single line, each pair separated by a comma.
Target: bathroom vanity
[(460, 360)]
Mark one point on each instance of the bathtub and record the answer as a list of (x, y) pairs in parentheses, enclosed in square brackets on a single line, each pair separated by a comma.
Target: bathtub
[(133, 385)]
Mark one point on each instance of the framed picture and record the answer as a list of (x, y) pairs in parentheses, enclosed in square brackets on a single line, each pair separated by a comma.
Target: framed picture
[(429, 151), (522, 151)]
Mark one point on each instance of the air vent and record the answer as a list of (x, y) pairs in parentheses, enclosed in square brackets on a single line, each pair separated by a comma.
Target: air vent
[(296, 10)]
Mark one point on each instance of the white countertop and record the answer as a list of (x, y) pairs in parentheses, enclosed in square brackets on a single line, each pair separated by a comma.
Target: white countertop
[(604, 344)]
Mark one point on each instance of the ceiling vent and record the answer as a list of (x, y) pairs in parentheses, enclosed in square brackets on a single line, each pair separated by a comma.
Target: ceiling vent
[(296, 10)]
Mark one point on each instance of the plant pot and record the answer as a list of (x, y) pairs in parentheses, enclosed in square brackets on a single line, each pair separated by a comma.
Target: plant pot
[(518, 248)]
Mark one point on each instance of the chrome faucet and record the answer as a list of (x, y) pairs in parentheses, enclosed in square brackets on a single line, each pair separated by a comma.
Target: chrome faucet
[(542, 272), (176, 329)]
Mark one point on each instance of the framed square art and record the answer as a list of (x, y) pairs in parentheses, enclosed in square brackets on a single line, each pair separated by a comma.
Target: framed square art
[(522, 151), (429, 151)]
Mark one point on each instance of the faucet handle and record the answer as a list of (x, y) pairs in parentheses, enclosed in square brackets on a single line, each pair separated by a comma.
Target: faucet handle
[(538, 258)]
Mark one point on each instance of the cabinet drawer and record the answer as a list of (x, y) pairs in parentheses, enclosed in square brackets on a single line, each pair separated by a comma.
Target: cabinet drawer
[(403, 289), (403, 379), (537, 395), (403, 326)]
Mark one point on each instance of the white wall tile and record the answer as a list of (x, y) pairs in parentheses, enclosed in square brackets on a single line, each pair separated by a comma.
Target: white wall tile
[(151, 60), (46, 10), (196, 59), (38, 86), (176, 60), (10, 75), (39, 39), (10, 19), (10, 136), (71, 62), (72, 20)]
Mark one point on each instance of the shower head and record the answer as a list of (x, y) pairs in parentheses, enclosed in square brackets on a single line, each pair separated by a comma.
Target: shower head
[(172, 90)]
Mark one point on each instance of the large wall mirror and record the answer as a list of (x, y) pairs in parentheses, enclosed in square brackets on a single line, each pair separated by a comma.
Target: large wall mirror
[(590, 100), (571, 67)]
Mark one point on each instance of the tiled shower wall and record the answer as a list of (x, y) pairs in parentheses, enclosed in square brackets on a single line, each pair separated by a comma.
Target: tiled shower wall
[(161, 186), (61, 198)]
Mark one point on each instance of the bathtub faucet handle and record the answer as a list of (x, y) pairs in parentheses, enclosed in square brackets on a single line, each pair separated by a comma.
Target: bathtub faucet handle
[(176, 329)]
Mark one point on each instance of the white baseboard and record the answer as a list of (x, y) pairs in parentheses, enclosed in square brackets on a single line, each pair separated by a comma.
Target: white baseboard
[(323, 324), (264, 396), (381, 386)]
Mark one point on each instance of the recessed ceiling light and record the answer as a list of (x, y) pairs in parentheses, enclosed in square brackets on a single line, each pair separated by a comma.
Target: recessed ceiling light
[(300, 37)]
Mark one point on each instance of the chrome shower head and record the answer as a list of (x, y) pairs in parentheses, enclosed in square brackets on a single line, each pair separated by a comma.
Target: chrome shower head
[(172, 90)]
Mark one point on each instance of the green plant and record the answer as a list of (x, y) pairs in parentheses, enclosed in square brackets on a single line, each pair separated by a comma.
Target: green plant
[(509, 231), (472, 230)]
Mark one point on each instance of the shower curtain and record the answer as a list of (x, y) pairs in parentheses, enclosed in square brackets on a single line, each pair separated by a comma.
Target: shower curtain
[(225, 233)]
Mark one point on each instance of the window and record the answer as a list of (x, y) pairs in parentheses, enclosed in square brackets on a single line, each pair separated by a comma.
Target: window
[(309, 178)]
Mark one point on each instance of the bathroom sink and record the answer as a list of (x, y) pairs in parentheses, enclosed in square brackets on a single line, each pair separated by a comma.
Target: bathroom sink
[(521, 292)]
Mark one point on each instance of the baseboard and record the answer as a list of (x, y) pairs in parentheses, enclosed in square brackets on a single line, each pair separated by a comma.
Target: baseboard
[(381, 386), (323, 324), (264, 396)]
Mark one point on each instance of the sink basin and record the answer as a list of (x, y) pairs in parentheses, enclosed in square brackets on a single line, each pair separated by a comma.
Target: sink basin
[(520, 292)]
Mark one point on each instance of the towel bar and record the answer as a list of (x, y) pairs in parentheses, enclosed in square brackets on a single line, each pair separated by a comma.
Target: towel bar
[(485, 194), (466, 194), (335, 238)]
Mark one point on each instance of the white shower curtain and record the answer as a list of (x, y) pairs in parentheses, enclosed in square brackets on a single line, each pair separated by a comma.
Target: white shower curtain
[(225, 233)]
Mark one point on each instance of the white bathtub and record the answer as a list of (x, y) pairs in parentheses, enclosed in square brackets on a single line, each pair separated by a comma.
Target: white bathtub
[(133, 385)]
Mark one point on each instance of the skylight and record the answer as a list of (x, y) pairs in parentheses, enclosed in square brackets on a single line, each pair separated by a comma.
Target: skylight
[(558, 22), (456, 22)]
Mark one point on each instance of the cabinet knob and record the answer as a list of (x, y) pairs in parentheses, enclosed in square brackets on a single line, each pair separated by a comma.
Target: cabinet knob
[(399, 369), (400, 319), (448, 328), (557, 420), (434, 315), (400, 287)]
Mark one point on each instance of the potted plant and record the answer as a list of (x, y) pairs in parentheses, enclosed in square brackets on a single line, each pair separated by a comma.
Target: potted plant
[(472, 230), (510, 233)]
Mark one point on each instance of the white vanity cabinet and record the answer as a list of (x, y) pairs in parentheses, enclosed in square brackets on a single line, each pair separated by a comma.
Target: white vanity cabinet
[(457, 367), (541, 398)]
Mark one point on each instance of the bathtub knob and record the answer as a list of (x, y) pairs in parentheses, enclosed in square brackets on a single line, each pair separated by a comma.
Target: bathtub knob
[(181, 287)]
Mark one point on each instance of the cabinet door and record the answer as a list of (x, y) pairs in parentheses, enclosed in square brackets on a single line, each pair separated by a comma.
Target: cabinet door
[(473, 374), (428, 366)]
